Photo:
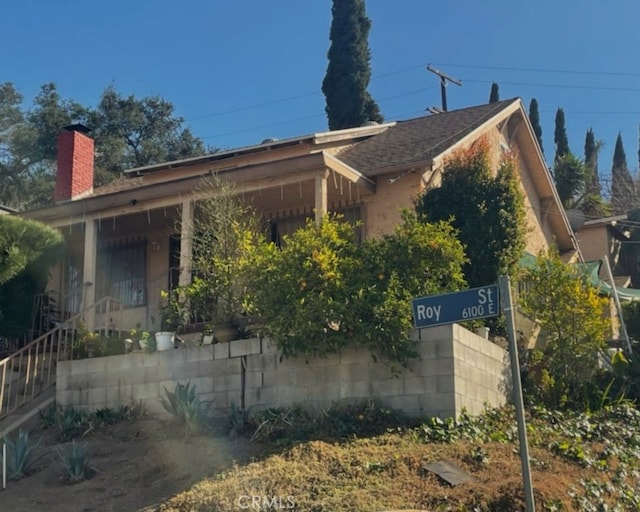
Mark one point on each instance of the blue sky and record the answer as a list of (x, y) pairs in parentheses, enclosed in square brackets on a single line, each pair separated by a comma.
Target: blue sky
[(243, 70)]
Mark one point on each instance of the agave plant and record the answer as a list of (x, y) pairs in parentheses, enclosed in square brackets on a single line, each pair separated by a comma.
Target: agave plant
[(20, 455), (184, 404), (75, 461)]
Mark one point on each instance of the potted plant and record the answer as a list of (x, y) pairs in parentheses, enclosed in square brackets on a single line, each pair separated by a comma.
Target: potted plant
[(172, 316)]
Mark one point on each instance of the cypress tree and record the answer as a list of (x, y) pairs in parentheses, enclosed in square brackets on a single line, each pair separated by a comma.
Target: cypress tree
[(623, 197), (591, 149), (348, 103), (494, 96), (534, 117), (560, 136)]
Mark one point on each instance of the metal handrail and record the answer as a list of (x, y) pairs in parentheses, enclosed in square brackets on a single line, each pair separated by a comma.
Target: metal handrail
[(28, 372)]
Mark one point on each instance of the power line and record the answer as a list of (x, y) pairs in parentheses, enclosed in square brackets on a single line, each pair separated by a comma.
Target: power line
[(540, 70), (559, 86)]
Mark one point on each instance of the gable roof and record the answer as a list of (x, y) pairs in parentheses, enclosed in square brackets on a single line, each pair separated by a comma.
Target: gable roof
[(418, 140)]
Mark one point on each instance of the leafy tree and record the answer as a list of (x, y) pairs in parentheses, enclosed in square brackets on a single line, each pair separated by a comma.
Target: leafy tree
[(534, 117), (494, 96), (131, 132), (27, 250), (485, 207), (574, 326), (322, 291), (560, 136), (623, 191), (348, 103)]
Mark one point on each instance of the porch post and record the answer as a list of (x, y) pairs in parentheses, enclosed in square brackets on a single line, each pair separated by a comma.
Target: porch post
[(186, 242), (89, 271), (321, 195)]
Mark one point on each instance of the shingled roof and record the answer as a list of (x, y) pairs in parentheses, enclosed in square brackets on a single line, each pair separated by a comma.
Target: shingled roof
[(418, 140)]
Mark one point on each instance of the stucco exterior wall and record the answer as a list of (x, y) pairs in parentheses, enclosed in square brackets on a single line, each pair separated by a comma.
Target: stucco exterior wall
[(382, 210), (456, 369)]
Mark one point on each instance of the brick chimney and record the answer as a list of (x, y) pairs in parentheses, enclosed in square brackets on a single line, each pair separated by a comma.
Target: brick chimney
[(74, 177)]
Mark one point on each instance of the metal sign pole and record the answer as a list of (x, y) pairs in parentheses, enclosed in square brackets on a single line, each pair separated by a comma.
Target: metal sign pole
[(507, 309)]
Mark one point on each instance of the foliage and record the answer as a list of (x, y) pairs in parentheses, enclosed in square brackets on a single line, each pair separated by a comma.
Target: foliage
[(28, 249), (186, 406), (486, 208), (128, 132), (341, 420), (575, 328), (226, 234), (21, 455), (534, 117), (74, 460), (560, 136), (70, 422), (131, 132), (494, 96), (574, 182), (322, 291), (623, 190), (348, 103)]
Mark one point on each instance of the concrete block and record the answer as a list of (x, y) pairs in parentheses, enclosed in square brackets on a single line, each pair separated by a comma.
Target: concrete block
[(221, 350), (222, 383), (436, 367), (290, 395), (327, 392), (438, 404), (146, 391), (96, 396), (384, 388), (233, 397), (352, 355), (279, 378), (262, 362), (355, 372), (197, 353), (267, 396), (64, 368), (382, 371), (184, 371), (253, 380), (409, 404), (413, 385), (269, 346), (350, 389), (238, 348), (64, 397), (445, 384)]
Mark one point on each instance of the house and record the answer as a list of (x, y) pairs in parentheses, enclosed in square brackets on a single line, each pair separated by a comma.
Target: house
[(123, 241)]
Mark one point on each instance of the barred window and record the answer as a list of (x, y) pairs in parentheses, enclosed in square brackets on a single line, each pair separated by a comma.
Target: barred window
[(121, 272)]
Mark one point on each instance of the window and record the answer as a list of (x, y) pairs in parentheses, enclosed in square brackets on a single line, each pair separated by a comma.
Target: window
[(121, 272), (286, 226)]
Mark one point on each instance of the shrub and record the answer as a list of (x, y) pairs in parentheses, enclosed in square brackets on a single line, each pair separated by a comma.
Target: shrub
[(575, 326), (322, 291)]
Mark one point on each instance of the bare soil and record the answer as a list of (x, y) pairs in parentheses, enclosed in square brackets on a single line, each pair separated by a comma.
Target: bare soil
[(135, 464)]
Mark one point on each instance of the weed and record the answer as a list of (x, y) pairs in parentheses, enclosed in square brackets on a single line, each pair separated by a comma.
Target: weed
[(20, 455), (75, 461)]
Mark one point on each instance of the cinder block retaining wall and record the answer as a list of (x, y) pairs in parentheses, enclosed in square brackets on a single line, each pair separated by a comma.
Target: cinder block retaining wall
[(457, 369)]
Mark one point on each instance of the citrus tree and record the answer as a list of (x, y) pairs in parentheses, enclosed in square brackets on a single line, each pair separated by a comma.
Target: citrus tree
[(575, 327), (323, 291)]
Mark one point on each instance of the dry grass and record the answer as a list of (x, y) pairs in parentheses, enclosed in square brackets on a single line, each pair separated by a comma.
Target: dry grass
[(383, 473)]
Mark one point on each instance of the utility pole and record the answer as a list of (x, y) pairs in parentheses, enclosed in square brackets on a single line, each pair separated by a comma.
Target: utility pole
[(444, 79)]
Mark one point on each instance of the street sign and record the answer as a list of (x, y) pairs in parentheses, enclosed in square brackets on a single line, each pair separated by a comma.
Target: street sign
[(481, 302)]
